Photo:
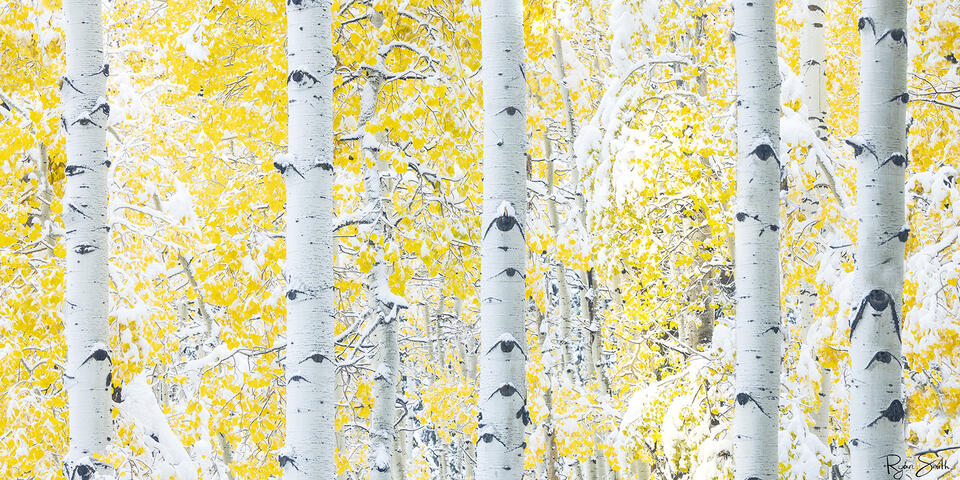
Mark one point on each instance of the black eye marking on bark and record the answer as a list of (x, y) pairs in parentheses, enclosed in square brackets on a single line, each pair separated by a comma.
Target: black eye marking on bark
[(764, 151), (743, 398), (298, 378), (896, 34), (741, 216), (524, 415), (814, 8), (283, 167), (879, 301), (85, 121), (84, 249), (894, 413), (507, 390), (298, 77), (489, 438), (66, 81), (326, 166), (511, 272), (316, 358), (858, 148), (72, 170), (903, 98), (883, 356), (492, 299), (98, 355), (109, 378), (505, 223), (105, 70), (85, 471), (63, 123), (510, 111), (292, 294), (775, 330), (863, 23), (104, 107), (902, 235), (507, 346), (896, 159), (284, 459)]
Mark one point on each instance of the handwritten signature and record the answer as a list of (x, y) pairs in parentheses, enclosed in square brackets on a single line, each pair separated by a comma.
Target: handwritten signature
[(927, 462)]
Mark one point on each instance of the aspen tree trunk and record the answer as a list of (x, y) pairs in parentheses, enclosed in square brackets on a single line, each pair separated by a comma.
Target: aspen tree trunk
[(469, 372), (503, 392), (815, 91), (758, 337), (877, 442), (550, 460), (308, 171), (566, 366), (386, 305), (85, 221), (815, 66)]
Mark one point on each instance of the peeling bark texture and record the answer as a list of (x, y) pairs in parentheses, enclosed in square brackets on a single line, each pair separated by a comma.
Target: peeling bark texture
[(85, 221), (309, 452), (876, 409), (502, 390), (758, 333)]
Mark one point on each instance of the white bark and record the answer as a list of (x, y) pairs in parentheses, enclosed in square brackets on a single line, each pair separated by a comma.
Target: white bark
[(877, 442), (815, 66), (386, 305), (758, 336), (85, 116), (469, 372), (815, 92), (309, 452), (502, 392)]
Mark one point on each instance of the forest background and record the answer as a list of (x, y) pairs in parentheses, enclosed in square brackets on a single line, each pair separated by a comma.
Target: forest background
[(630, 121)]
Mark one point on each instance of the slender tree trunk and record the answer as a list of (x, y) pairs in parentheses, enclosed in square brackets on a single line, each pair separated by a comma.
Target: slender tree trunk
[(566, 367), (386, 306), (815, 66), (308, 170), (877, 441), (815, 91), (503, 392), (759, 341), (85, 220), (469, 372)]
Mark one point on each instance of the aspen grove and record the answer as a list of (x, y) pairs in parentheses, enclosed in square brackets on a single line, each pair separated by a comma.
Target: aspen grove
[(480, 239)]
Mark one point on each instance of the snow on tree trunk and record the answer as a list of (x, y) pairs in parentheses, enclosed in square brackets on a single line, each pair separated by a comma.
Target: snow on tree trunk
[(309, 452), (877, 442), (85, 220), (386, 304), (502, 391), (758, 336), (566, 366)]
